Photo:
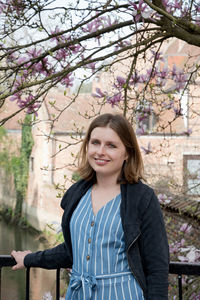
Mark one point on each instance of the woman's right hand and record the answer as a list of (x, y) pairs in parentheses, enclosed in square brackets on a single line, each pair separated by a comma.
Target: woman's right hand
[(19, 257)]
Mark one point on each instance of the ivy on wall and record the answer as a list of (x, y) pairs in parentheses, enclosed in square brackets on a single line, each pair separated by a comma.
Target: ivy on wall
[(18, 165), (4, 153)]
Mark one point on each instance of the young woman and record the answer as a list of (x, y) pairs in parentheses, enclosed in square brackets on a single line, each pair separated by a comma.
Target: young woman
[(114, 234)]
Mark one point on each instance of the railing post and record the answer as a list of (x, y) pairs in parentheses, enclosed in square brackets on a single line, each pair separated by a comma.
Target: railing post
[(180, 287), (0, 283), (27, 283), (57, 284)]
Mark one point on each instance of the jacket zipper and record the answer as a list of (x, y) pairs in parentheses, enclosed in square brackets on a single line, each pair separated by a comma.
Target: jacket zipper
[(130, 264)]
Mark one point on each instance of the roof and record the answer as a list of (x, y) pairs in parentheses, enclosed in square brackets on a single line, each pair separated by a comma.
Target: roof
[(189, 207)]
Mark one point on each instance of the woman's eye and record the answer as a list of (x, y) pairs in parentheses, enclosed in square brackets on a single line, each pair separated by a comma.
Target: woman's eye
[(112, 146), (95, 142)]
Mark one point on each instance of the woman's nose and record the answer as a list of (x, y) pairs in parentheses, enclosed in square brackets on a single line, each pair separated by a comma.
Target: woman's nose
[(101, 150)]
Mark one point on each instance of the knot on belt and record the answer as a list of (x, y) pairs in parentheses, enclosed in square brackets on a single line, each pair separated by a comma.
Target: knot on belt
[(87, 282)]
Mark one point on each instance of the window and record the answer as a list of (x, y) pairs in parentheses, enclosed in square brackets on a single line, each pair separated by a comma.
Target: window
[(191, 174), (145, 118)]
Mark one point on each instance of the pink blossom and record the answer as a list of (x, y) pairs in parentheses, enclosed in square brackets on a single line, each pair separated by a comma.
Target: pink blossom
[(197, 7), (174, 71), (99, 93), (75, 48), (39, 67), (58, 38), (152, 72), (168, 105), (91, 66), (164, 73), (120, 82), (186, 228), (135, 78), (147, 150), (160, 81), (33, 108), (27, 102), (11, 56), (122, 44), (156, 55), (193, 255), (61, 54), (139, 10), (18, 81), (188, 132), (177, 246), (178, 111), (2, 7), (89, 27), (21, 60), (180, 80), (194, 296), (141, 116), (140, 130), (164, 199), (16, 97), (108, 22), (33, 53), (176, 5), (115, 99), (94, 25), (67, 80), (144, 78)]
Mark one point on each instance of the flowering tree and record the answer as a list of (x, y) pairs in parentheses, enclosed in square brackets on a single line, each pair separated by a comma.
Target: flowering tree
[(43, 43)]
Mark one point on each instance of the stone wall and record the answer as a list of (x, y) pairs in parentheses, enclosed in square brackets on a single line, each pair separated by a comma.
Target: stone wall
[(7, 189)]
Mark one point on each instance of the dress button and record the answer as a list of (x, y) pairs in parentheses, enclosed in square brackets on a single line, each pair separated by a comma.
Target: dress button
[(87, 257), (89, 240), (92, 223)]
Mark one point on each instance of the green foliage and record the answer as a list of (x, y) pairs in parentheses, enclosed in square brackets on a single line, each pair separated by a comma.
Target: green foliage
[(4, 151), (2, 133), (21, 166), (18, 165), (75, 176)]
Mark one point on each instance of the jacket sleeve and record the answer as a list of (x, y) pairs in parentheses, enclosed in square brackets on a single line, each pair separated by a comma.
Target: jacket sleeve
[(155, 251), (53, 258)]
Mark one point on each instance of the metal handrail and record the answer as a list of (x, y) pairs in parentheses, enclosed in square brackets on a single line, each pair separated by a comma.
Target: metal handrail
[(9, 261), (177, 268), (183, 268)]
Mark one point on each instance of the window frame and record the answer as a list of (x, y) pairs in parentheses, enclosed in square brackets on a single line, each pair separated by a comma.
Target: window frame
[(187, 176)]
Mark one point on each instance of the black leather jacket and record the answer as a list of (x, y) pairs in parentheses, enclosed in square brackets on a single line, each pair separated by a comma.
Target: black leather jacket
[(145, 238)]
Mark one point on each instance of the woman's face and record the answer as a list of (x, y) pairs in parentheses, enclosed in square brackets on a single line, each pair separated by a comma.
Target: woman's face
[(106, 152)]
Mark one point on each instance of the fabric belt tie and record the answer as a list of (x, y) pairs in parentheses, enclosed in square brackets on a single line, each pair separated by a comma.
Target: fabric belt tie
[(88, 282)]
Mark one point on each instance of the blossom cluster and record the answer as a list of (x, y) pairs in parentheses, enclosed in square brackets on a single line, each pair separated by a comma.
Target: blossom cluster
[(164, 199), (52, 60), (185, 253), (48, 296)]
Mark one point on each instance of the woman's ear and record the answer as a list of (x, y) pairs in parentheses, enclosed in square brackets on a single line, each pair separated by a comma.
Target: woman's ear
[(126, 157)]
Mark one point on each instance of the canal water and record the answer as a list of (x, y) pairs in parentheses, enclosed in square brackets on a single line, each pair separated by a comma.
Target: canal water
[(42, 282)]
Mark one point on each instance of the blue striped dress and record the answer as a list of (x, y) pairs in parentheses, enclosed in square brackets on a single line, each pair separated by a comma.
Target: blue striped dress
[(100, 267)]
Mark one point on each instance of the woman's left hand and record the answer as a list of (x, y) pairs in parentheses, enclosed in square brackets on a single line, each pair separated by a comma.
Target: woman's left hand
[(19, 257)]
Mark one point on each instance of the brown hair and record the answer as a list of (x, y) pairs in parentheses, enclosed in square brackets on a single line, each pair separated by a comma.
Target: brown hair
[(132, 169)]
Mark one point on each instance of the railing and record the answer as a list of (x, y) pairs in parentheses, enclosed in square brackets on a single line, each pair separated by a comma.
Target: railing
[(9, 261), (180, 268), (177, 268)]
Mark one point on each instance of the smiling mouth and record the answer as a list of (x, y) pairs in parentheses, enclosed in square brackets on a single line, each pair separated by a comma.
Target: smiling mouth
[(99, 160)]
